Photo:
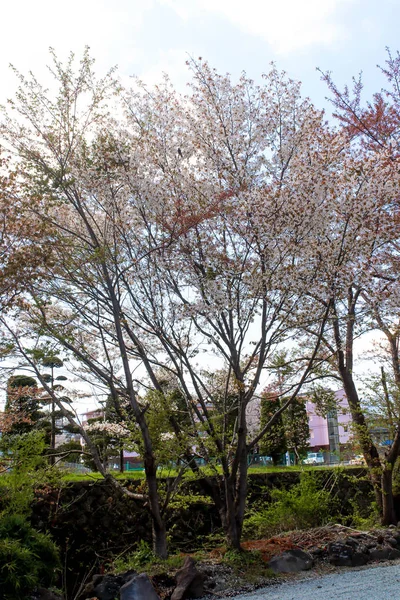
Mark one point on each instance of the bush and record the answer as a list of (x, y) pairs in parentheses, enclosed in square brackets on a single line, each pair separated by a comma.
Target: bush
[(27, 558), (302, 506)]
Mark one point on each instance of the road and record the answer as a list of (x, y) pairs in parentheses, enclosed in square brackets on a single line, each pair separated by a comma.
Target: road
[(373, 583)]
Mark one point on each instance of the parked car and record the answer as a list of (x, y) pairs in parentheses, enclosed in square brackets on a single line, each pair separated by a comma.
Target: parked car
[(314, 458), (357, 460)]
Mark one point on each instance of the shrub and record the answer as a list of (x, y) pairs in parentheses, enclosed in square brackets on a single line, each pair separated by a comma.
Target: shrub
[(27, 558), (302, 506)]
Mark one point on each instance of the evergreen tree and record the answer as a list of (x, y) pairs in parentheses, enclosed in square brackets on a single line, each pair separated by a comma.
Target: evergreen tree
[(297, 430), (273, 443), (22, 405)]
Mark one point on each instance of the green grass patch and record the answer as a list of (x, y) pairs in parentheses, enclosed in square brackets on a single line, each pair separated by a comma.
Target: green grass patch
[(203, 472)]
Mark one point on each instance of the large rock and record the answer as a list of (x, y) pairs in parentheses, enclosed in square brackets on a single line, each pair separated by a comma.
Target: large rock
[(190, 582), (341, 554), (108, 587), (139, 588), (384, 553), (291, 561)]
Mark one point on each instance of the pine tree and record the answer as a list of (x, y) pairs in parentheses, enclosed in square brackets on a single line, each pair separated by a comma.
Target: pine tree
[(297, 430), (273, 443)]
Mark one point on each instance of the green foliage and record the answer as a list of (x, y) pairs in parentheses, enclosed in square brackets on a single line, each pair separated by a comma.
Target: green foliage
[(73, 457), (249, 564), (324, 400), (27, 558), (361, 519), (143, 559), (27, 470), (302, 506), (297, 430), (236, 558), (273, 443)]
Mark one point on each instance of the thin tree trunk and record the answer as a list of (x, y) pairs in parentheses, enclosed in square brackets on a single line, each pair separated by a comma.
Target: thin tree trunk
[(388, 512), (158, 528), (232, 533)]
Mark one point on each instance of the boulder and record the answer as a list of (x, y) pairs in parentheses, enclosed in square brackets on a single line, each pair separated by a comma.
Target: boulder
[(384, 553), (139, 588), (359, 558), (340, 554), (190, 582), (102, 587), (380, 553), (108, 587), (291, 561)]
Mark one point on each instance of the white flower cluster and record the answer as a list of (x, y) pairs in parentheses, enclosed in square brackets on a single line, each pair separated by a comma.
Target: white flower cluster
[(116, 429)]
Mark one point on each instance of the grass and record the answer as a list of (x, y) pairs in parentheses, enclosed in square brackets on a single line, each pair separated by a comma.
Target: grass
[(204, 471)]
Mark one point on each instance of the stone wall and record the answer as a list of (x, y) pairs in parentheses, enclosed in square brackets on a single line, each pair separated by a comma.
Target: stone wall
[(92, 523)]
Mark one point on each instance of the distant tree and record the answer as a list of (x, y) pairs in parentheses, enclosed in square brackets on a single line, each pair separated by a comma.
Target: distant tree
[(22, 409), (297, 430), (273, 443)]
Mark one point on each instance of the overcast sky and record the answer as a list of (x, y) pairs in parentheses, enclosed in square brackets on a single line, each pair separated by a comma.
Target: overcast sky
[(147, 37)]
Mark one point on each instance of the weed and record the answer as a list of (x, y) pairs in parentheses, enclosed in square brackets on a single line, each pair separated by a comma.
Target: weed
[(302, 506), (143, 559), (248, 564)]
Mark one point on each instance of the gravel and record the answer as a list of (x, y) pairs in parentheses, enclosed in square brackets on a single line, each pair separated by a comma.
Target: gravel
[(381, 582)]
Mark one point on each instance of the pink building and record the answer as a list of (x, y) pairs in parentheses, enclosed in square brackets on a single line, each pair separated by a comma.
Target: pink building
[(328, 433)]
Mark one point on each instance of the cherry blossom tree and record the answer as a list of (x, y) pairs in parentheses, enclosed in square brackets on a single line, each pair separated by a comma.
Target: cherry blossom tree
[(369, 297), (186, 234)]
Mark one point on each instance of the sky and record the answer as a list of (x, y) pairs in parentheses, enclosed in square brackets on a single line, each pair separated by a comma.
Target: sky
[(148, 37)]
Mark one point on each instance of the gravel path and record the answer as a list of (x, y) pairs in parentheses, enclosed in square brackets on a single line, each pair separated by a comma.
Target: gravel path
[(370, 583)]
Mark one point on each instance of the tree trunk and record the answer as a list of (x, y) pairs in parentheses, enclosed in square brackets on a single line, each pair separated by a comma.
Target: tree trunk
[(159, 535), (369, 449), (158, 528), (228, 516), (388, 512)]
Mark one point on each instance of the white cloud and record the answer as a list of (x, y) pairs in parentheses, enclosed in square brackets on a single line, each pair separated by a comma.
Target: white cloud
[(287, 25), (30, 27)]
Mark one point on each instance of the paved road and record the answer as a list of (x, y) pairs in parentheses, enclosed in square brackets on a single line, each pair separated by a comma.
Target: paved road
[(376, 583)]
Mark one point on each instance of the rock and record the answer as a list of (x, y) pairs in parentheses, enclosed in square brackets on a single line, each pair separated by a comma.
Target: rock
[(139, 588), (291, 561), (393, 526), (391, 541), (108, 587), (127, 576), (381, 553), (340, 554), (190, 582), (350, 541), (358, 559), (103, 587)]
